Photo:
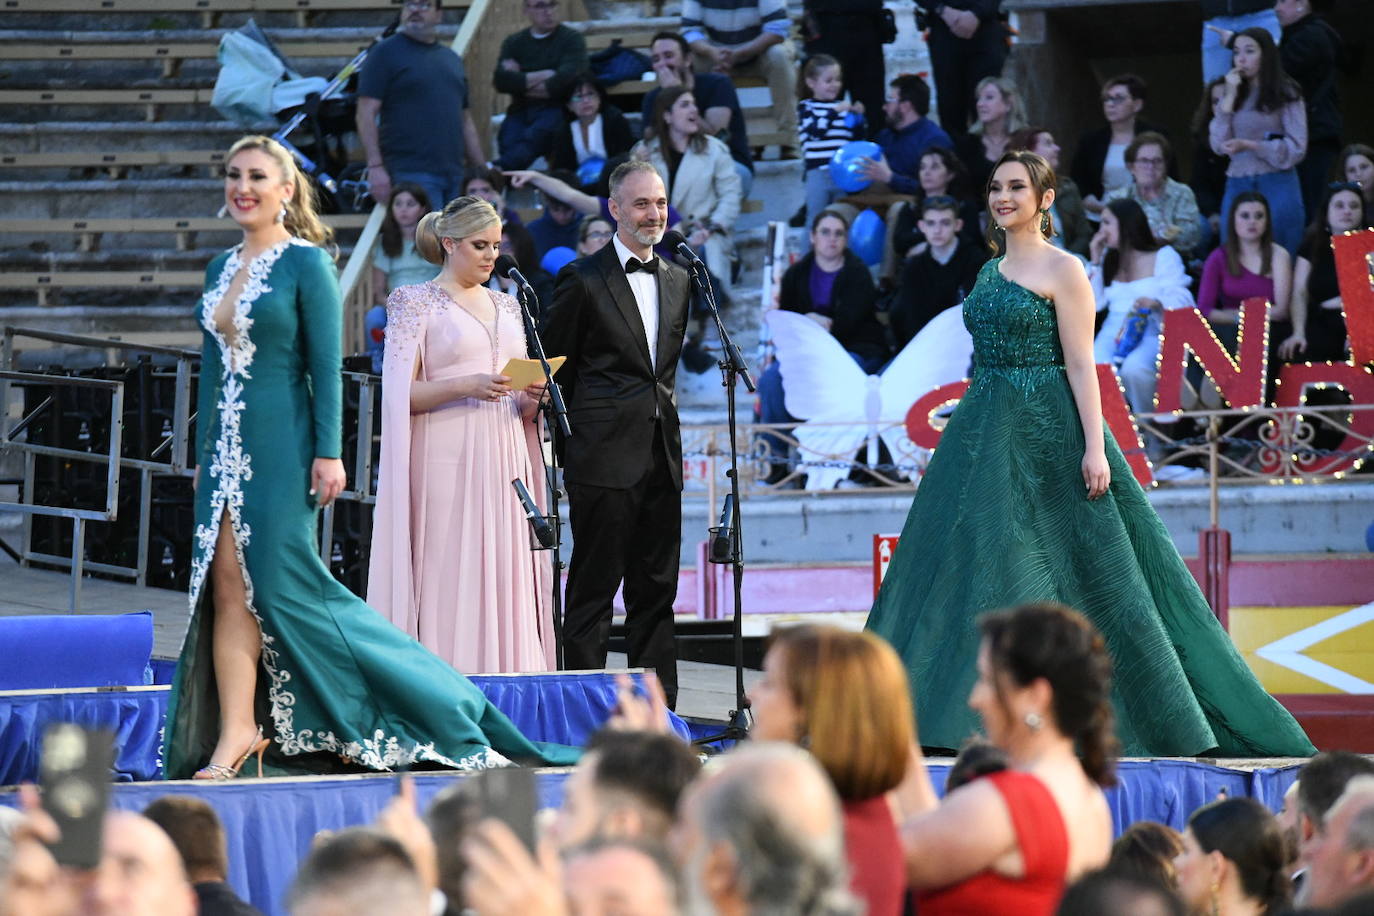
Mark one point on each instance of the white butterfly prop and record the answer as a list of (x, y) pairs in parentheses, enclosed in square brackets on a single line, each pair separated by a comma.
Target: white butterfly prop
[(823, 386)]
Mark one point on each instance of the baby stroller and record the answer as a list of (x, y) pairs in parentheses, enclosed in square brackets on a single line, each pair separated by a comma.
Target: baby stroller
[(257, 83)]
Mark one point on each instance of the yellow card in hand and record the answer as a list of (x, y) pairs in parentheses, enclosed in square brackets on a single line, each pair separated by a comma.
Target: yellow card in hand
[(526, 372)]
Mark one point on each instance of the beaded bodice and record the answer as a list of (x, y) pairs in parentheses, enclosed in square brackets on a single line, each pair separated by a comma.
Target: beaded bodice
[(1012, 327)]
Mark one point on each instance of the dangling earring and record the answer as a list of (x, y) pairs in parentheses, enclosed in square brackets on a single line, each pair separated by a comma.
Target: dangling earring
[(1033, 721), (1044, 222), (223, 212), (1216, 899), (281, 214)]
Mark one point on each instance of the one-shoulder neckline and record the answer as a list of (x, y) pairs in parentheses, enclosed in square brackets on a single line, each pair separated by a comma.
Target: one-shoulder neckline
[(997, 266)]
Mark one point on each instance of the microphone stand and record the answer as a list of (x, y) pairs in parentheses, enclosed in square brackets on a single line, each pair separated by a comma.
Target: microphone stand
[(732, 369), (555, 417)]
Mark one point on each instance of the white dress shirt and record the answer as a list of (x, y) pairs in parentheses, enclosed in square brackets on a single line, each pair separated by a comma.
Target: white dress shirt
[(645, 287)]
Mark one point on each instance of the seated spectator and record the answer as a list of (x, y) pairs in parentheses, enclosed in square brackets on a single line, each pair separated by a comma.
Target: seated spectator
[(1147, 850), (1010, 842), (1169, 205), (998, 113), (1075, 230), (1310, 50), (593, 233), (140, 871), (357, 870), (1261, 124), (826, 122), (762, 833), (195, 830), (1131, 271), (1321, 782), (698, 172), (1319, 329), (397, 262), (518, 242), (1232, 863), (558, 225), (490, 185), (582, 202), (716, 99), (625, 787), (1099, 164), (977, 758), (938, 277), (1209, 167), (609, 876), (941, 175), (1247, 264), (831, 286), (748, 38), (536, 67), (595, 129), (1357, 165), (1340, 857), (908, 136), (1109, 892), (844, 697)]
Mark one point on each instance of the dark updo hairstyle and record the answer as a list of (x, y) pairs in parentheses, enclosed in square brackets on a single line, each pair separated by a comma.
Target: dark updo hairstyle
[(1133, 234), (1053, 642), (1248, 836), (1276, 88), (392, 240), (1042, 179), (1147, 849)]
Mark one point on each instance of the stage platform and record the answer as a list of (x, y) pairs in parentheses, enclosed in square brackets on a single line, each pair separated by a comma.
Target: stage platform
[(270, 823)]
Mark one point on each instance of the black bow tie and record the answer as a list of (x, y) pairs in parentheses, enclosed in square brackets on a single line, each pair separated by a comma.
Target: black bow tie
[(634, 264)]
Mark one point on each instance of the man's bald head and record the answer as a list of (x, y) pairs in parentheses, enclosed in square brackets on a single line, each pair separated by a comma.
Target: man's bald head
[(140, 872)]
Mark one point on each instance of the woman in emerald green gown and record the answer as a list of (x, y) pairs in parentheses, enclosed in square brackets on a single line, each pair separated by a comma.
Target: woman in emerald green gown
[(1028, 499), (280, 660)]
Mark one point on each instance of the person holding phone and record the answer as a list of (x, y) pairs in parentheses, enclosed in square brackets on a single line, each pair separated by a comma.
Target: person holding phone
[(272, 633), (452, 563)]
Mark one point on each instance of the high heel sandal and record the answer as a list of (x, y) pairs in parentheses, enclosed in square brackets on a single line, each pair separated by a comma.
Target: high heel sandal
[(220, 771)]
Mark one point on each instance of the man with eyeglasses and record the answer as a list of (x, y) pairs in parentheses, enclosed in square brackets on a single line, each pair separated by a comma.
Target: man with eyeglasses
[(537, 67), (1169, 205), (412, 117)]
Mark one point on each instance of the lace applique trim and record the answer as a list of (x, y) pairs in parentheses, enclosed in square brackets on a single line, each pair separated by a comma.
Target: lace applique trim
[(230, 467)]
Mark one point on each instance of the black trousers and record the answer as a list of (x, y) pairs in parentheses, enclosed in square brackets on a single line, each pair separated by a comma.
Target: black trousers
[(633, 535), (958, 65), (853, 39)]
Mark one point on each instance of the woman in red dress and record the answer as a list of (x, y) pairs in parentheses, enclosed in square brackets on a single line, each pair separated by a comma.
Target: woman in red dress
[(1010, 842)]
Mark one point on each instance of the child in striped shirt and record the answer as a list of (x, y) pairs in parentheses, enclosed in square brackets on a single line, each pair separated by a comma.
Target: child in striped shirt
[(825, 122)]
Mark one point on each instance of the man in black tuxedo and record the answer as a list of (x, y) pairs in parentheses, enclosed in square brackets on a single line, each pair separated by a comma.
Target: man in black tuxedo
[(619, 317)]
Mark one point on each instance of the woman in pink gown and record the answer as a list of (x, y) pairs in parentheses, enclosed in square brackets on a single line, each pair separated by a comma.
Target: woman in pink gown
[(451, 558)]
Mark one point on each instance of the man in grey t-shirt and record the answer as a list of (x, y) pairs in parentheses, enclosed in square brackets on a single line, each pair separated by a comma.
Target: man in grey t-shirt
[(413, 118)]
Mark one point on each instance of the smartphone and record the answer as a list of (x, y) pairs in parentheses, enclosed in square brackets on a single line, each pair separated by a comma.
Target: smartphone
[(508, 794), (74, 772)]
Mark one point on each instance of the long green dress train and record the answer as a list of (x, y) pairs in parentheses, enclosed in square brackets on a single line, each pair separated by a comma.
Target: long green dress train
[(1001, 518), (338, 685)]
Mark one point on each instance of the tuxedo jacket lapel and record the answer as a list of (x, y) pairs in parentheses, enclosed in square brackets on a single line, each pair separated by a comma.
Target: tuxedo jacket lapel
[(669, 293), (618, 288)]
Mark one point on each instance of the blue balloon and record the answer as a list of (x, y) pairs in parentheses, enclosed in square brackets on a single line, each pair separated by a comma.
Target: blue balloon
[(866, 237), (590, 170), (844, 165), (555, 258)]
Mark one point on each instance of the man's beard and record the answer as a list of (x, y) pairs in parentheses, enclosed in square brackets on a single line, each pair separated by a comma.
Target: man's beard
[(647, 236)]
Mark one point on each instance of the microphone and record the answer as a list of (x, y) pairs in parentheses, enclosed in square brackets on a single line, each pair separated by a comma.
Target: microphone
[(543, 531), (506, 268), (721, 544), (678, 242)]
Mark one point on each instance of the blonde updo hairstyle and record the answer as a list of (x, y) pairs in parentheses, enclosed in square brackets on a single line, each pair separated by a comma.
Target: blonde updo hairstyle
[(302, 218), (460, 218)]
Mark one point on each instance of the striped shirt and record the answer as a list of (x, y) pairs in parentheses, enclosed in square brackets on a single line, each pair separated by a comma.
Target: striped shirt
[(731, 23), (822, 130)]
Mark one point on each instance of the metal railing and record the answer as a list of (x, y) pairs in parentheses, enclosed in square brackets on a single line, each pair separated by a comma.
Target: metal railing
[(13, 439)]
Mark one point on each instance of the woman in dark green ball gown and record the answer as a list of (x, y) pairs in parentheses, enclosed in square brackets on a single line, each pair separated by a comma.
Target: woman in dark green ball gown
[(280, 660), (1028, 499)]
